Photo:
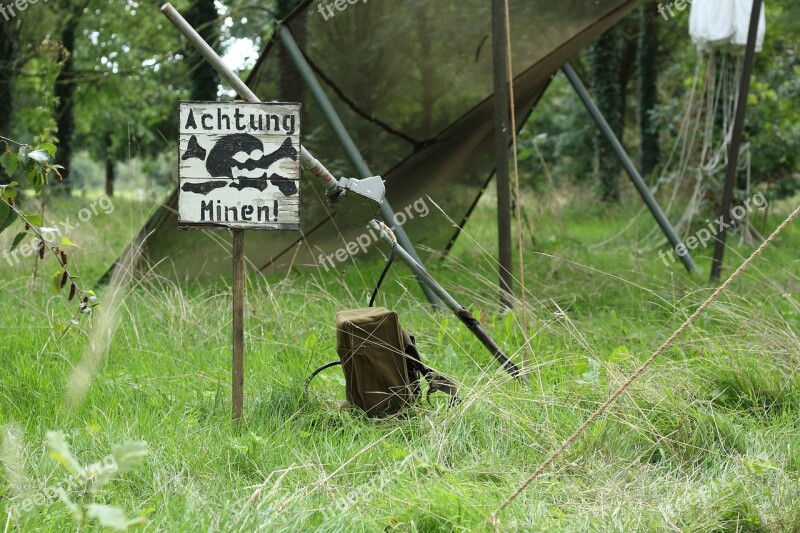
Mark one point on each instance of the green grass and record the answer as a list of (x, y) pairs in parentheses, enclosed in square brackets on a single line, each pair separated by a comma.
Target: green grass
[(707, 440)]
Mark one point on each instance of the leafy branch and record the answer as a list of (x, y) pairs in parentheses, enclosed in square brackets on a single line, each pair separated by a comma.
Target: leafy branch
[(36, 165), (78, 493)]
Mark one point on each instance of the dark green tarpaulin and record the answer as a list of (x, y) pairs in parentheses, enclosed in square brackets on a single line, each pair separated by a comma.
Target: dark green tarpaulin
[(412, 81)]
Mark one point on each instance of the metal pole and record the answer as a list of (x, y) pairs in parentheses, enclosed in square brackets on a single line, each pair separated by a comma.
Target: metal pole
[(460, 311), (641, 186), (350, 148), (501, 141), (736, 140)]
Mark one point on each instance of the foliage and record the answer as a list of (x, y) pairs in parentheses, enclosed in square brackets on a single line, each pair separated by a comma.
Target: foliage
[(648, 86), (202, 15), (36, 165), (86, 481), (605, 63)]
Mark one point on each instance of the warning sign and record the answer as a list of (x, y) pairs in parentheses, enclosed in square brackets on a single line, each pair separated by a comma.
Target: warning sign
[(239, 166)]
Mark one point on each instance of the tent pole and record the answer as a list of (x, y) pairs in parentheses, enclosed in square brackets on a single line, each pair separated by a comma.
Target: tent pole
[(501, 141), (459, 310), (630, 168), (736, 141), (350, 148)]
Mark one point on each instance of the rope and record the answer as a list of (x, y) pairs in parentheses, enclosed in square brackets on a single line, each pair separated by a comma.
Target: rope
[(518, 206), (639, 371)]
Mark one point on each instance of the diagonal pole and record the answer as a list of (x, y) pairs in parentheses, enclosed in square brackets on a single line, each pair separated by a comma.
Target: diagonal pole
[(630, 168)]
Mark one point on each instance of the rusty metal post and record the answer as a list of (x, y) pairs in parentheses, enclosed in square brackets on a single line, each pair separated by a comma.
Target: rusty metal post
[(736, 141)]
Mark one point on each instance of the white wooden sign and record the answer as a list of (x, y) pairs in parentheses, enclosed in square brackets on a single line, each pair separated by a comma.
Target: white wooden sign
[(239, 166)]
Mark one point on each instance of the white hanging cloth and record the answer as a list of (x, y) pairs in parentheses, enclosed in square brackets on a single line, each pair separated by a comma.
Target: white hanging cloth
[(718, 23)]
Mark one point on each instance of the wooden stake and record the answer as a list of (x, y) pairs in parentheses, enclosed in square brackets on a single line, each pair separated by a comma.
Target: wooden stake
[(502, 138), (237, 389)]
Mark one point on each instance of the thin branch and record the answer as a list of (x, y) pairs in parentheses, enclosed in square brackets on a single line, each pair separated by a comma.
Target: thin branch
[(56, 252)]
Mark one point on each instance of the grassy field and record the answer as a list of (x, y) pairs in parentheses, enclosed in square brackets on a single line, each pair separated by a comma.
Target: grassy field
[(707, 440)]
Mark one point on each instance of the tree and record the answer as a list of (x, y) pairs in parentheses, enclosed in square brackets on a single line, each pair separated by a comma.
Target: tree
[(71, 11), (648, 86), (126, 98), (202, 15), (604, 60), (8, 55)]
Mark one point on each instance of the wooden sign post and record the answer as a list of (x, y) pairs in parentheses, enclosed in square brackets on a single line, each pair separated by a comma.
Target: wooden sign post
[(239, 170)]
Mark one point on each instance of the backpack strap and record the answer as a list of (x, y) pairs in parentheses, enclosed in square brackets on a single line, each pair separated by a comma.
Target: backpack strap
[(317, 371), (436, 382)]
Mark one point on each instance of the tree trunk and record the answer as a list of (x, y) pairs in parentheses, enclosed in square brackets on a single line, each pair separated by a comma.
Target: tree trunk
[(648, 87), (629, 48), (7, 58), (605, 57), (65, 109), (202, 16), (291, 86), (109, 177), (110, 167)]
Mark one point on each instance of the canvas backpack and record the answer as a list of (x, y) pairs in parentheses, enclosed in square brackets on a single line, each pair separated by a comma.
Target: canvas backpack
[(382, 367)]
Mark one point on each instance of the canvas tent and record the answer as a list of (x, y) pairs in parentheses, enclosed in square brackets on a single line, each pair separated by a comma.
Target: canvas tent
[(412, 82)]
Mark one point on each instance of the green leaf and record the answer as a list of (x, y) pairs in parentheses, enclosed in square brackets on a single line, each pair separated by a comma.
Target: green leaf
[(50, 148), (759, 465), (67, 242), (8, 190), (36, 178), (40, 156), (592, 375), (396, 452), (55, 281), (34, 220), (7, 216), (9, 161), (59, 451), (619, 354), (17, 239)]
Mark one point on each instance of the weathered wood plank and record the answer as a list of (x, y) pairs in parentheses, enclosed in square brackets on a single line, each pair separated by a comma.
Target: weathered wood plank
[(237, 366), (239, 166)]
